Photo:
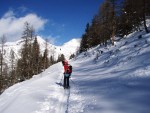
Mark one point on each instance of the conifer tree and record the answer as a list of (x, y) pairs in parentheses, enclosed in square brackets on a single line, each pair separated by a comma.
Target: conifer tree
[(72, 56), (12, 72), (52, 61), (35, 57), (84, 44), (61, 58), (25, 63), (145, 10), (45, 59), (3, 41), (2, 64)]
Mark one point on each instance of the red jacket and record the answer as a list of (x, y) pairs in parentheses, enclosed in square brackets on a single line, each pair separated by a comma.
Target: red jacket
[(65, 68)]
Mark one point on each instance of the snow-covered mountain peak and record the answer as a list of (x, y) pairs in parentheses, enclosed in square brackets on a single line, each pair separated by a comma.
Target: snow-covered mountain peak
[(73, 42), (67, 49), (70, 47)]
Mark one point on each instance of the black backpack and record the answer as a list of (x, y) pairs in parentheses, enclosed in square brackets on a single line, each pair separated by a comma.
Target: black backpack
[(70, 67), (69, 71)]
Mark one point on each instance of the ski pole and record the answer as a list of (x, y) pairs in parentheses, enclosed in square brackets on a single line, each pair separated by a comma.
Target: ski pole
[(61, 79), (72, 81)]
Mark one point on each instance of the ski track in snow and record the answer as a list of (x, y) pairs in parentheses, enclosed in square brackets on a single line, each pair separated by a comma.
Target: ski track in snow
[(62, 100)]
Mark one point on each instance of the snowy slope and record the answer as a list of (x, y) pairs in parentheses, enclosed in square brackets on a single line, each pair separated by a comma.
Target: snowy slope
[(116, 80), (67, 49), (70, 47)]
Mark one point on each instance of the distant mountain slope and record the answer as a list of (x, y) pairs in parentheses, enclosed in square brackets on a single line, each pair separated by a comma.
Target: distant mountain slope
[(67, 49)]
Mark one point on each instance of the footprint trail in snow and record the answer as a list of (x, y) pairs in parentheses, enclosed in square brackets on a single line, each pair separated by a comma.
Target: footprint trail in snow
[(62, 100)]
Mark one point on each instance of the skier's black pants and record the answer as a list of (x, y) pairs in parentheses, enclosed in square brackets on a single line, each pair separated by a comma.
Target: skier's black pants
[(66, 81)]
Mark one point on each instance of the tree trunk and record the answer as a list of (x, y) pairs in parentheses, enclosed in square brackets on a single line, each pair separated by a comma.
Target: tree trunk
[(144, 16)]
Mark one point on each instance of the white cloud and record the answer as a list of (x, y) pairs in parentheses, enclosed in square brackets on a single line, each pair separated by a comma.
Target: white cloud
[(12, 26), (52, 39), (8, 14), (23, 9)]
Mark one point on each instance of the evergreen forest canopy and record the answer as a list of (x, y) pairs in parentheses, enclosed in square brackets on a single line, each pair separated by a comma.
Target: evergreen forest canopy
[(115, 18)]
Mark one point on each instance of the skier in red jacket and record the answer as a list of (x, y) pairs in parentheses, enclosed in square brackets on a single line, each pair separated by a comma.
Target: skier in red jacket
[(66, 73)]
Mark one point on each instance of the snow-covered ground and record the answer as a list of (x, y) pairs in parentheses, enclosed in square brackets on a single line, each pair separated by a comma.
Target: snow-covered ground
[(113, 79)]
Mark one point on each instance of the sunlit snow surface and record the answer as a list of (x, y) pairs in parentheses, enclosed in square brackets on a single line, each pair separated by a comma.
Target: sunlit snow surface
[(116, 80)]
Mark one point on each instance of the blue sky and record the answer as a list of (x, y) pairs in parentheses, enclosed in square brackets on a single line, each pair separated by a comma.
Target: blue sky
[(58, 20)]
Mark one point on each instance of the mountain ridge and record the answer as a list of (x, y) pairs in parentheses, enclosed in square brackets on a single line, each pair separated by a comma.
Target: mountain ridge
[(68, 48)]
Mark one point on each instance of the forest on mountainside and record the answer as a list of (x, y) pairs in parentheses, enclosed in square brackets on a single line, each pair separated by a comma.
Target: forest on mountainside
[(115, 18)]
